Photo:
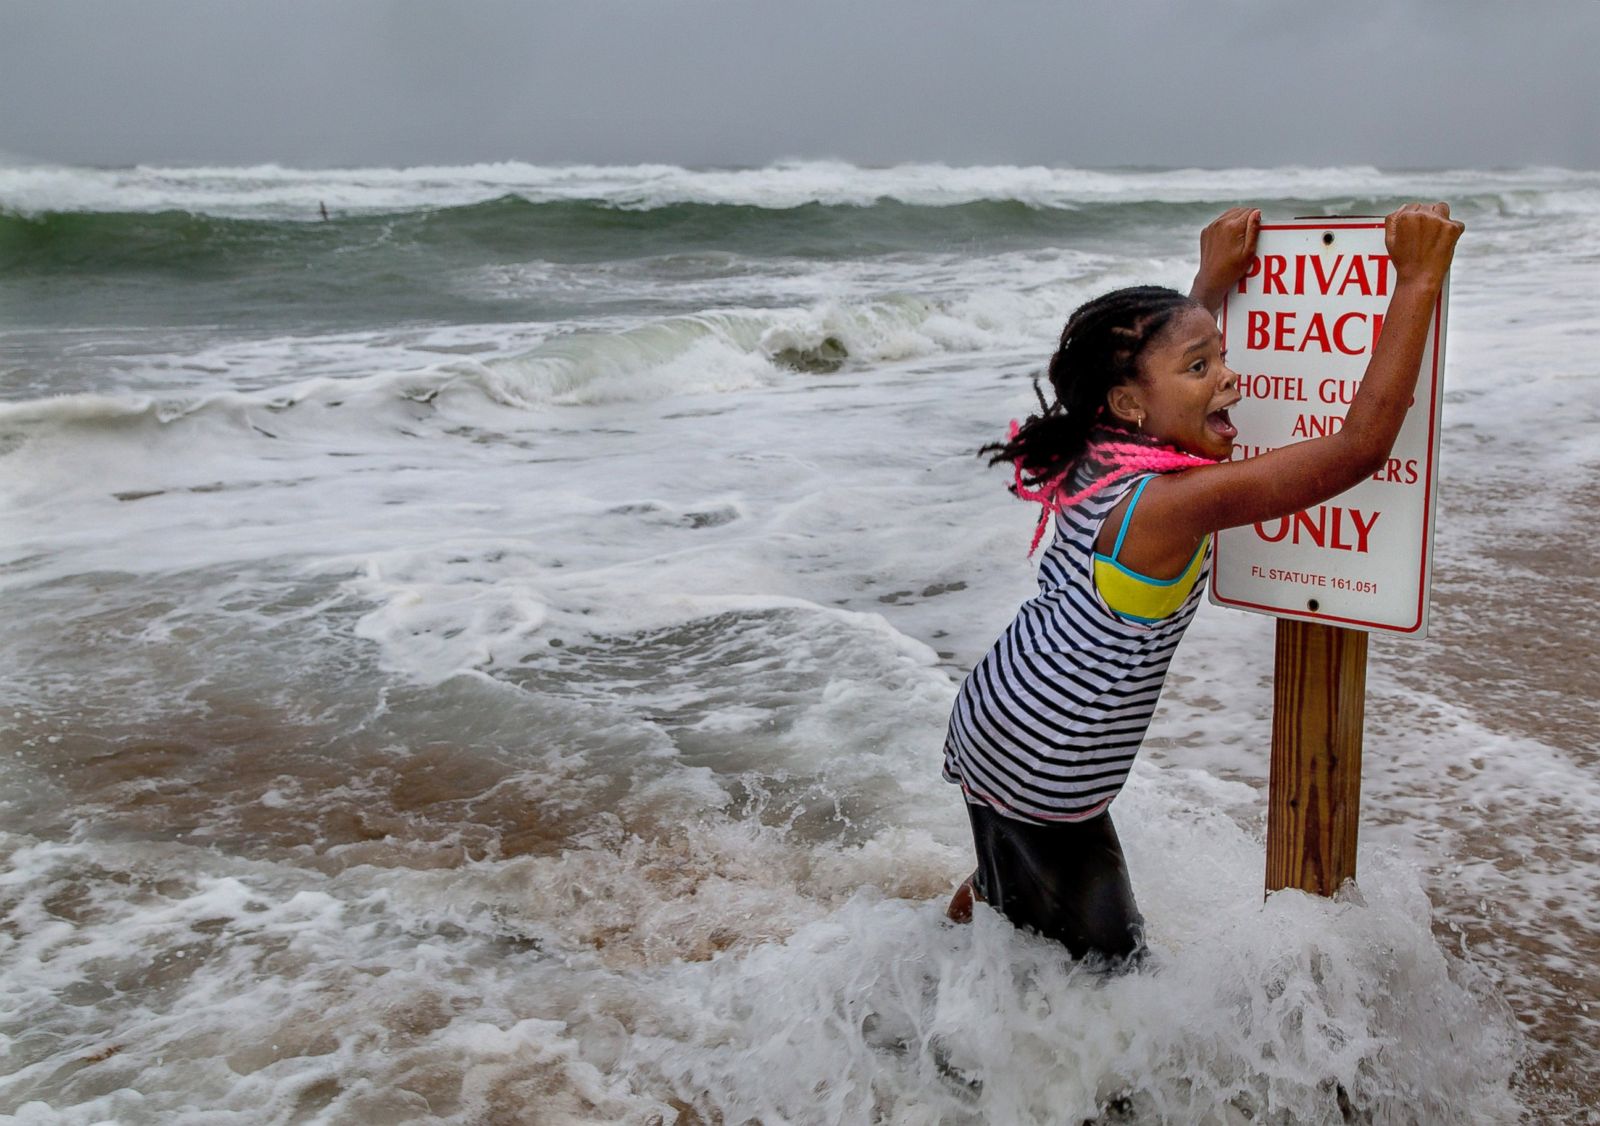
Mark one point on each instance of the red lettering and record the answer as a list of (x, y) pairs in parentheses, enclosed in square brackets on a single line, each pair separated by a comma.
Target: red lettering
[(1316, 425), (1283, 530), (1356, 275), (1326, 529), (1363, 529), (1281, 332), (1338, 390), (1256, 330), (1383, 274), (1400, 472), (1283, 326), (1335, 540), (1338, 333), (1316, 331), (1273, 277), (1288, 388), (1325, 281), (1251, 269), (1314, 532)]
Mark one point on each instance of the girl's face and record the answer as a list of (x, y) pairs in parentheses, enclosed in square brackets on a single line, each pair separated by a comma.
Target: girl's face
[(1184, 388)]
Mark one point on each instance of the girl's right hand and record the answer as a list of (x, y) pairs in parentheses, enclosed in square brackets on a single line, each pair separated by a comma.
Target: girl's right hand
[(1421, 239)]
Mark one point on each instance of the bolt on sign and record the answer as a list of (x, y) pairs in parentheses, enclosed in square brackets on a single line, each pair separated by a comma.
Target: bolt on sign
[(1299, 329)]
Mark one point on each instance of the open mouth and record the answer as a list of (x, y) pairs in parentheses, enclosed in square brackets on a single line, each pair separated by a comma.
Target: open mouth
[(1221, 425)]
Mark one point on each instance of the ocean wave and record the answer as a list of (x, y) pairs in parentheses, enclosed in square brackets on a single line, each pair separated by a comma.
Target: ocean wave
[(705, 352), (376, 253), (507, 229), (274, 192)]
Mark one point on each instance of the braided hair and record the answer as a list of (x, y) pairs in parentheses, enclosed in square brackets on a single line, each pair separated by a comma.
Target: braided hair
[(1100, 349)]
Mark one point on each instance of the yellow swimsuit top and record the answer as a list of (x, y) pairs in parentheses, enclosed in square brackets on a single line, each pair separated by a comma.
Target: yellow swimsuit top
[(1139, 598)]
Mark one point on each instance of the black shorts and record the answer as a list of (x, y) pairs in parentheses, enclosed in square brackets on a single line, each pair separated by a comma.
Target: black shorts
[(1067, 881)]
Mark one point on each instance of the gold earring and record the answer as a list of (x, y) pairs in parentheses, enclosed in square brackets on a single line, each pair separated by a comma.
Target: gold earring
[(1139, 422)]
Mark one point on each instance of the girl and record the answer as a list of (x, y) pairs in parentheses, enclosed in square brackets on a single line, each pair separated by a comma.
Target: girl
[(1132, 457)]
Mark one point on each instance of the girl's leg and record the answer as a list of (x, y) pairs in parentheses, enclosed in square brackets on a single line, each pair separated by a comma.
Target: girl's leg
[(960, 909), (1069, 881), (1103, 915)]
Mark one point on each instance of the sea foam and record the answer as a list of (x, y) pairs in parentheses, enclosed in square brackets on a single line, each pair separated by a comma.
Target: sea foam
[(272, 191)]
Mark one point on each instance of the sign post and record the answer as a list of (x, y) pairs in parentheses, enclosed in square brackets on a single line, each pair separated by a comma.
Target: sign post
[(1314, 792), (1299, 328)]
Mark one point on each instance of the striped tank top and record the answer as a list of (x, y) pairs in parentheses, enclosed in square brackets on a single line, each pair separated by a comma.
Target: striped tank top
[(1046, 726)]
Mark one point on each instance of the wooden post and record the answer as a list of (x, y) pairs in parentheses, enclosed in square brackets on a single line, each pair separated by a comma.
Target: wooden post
[(1314, 793)]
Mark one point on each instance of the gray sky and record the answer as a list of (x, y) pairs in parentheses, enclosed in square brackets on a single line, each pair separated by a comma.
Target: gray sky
[(1407, 83)]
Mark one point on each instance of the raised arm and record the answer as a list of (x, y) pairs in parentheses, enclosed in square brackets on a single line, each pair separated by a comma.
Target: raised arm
[(1179, 509)]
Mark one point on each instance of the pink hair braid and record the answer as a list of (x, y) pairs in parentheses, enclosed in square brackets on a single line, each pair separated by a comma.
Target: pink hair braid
[(1111, 452)]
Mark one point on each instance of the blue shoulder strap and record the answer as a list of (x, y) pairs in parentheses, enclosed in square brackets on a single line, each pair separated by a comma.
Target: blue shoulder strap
[(1116, 548)]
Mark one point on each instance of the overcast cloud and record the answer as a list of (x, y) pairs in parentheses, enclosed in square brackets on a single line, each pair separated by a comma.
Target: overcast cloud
[(1411, 83)]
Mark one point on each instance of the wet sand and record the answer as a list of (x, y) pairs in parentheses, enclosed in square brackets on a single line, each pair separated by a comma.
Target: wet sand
[(1514, 634)]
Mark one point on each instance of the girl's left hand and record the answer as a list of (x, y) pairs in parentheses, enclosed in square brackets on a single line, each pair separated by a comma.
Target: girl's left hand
[(1226, 247)]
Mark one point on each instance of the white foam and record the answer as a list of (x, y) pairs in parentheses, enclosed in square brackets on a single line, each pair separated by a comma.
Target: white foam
[(811, 991), (272, 191)]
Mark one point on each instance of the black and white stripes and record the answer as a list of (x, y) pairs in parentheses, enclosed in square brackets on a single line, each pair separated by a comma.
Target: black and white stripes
[(1046, 727)]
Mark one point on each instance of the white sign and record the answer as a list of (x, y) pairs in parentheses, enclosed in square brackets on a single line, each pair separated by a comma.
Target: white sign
[(1299, 329)]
